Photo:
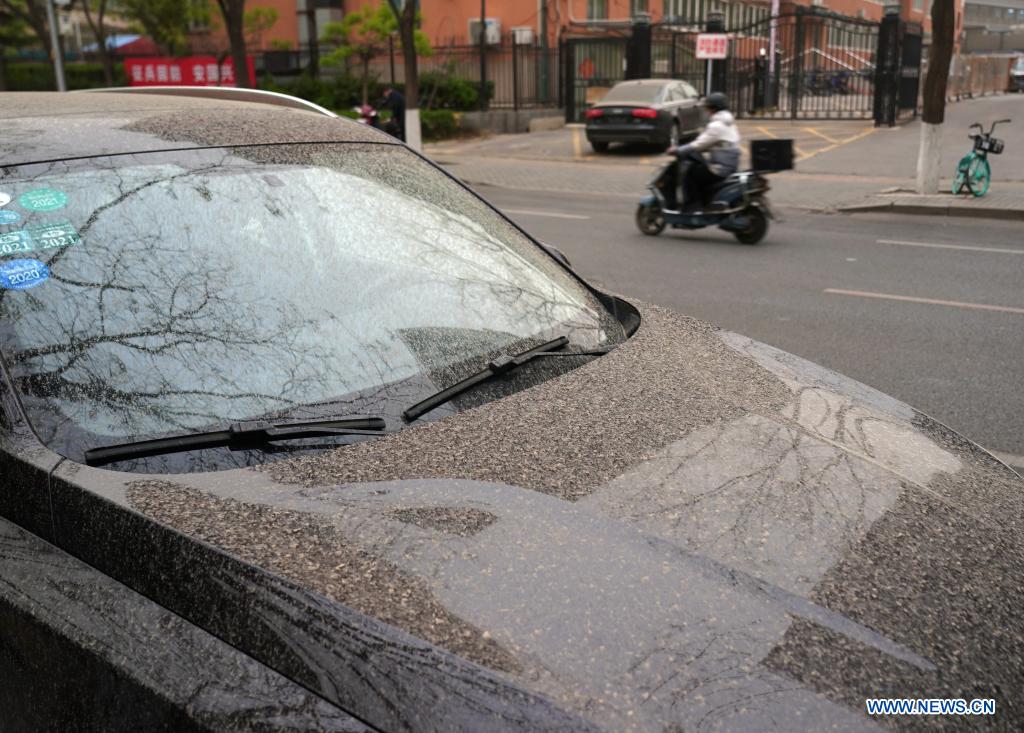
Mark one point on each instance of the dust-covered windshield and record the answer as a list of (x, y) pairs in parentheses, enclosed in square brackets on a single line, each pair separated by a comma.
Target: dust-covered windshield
[(146, 295)]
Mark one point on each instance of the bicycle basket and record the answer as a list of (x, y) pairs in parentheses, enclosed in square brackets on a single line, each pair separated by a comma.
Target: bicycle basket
[(988, 145)]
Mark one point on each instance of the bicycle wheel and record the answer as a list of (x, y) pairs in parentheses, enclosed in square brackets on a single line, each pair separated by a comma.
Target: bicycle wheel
[(979, 176), (960, 179)]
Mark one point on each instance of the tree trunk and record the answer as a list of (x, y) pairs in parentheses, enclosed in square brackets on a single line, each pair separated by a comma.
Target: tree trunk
[(234, 15), (929, 157), (366, 81), (407, 34)]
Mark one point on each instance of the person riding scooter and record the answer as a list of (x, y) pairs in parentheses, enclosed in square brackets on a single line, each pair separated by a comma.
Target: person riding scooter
[(712, 157)]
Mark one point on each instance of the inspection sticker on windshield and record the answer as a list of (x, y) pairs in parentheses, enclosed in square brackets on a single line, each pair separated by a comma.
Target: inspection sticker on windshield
[(9, 217), (16, 242), (52, 236), (43, 199), (23, 274)]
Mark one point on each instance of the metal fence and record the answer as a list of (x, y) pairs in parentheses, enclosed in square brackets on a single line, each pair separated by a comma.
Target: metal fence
[(823, 65), (519, 75)]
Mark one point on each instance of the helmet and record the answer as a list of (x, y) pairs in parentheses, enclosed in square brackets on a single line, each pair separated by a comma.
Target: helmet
[(716, 101)]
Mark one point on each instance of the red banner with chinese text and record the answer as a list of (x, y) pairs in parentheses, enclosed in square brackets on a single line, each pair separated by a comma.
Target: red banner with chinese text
[(192, 71)]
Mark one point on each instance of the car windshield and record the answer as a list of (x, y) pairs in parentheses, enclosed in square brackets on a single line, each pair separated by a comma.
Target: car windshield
[(154, 294), (1018, 66), (640, 93)]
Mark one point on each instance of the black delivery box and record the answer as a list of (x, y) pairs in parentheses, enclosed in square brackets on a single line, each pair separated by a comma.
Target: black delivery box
[(771, 155)]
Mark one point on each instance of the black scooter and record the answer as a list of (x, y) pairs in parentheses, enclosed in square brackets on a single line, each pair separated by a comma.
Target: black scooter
[(738, 205)]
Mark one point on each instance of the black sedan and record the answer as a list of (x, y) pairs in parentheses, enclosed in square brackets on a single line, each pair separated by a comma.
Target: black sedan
[(655, 111), (297, 433)]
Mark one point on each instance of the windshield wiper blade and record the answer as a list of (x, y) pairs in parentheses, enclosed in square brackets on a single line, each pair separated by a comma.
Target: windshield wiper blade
[(501, 365), (237, 436)]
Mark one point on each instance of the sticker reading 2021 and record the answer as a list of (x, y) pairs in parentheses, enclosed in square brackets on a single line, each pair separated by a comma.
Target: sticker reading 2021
[(43, 199)]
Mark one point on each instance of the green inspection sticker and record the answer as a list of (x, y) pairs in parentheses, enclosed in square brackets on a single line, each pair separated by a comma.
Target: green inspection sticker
[(52, 236), (43, 199), (12, 243)]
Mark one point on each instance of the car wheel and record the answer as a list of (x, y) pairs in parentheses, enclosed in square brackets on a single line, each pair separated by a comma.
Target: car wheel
[(756, 228), (599, 147), (674, 138), (650, 220)]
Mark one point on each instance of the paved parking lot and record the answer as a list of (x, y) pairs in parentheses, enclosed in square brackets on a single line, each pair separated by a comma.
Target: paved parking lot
[(569, 144)]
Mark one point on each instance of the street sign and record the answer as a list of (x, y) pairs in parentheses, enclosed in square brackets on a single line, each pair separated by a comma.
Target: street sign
[(712, 46)]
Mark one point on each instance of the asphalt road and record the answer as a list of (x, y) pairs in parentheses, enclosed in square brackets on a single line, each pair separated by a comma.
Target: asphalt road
[(957, 353)]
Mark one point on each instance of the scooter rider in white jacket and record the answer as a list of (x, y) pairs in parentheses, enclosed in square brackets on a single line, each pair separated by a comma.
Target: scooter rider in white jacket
[(712, 157)]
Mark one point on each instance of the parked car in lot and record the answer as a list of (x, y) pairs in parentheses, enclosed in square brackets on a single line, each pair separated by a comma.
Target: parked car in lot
[(298, 433), (655, 111), (1017, 75)]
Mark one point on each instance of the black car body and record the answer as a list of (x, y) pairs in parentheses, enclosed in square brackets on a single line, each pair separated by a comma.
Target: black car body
[(655, 111), (692, 531)]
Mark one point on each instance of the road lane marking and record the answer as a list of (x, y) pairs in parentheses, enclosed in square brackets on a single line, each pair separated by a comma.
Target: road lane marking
[(827, 148), (822, 135), (552, 214), (1009, 458), (926, 301), (577, 143), (998, 250), (770, 134)]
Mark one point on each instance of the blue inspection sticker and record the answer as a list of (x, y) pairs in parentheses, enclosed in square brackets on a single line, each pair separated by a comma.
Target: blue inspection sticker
[(12, 243), (22, 274), (43, 199), (9, 217)]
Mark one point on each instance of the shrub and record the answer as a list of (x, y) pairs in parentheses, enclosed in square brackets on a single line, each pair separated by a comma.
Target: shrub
[(438, 124), (443, 91), (37, 76)]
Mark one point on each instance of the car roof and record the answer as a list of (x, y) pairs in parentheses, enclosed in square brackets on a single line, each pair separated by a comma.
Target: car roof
[(644, 82), (46, 126)]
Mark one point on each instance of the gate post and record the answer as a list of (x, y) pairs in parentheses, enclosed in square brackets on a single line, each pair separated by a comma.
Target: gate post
[(638, 50), (887, 69), (515, 73), (796, 75)]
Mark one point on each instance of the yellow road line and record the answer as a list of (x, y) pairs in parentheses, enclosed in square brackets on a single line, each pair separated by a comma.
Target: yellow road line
[(859, 135), (822, 135), (769, 133), (577, 143)]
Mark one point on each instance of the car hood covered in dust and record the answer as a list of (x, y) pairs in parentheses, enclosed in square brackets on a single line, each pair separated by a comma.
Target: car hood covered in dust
[(693, 532)]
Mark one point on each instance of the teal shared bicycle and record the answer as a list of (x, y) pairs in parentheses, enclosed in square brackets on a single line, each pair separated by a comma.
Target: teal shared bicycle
[(973, 172)]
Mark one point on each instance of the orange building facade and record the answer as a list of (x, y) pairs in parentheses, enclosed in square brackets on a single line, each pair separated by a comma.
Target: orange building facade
[(448, 22)]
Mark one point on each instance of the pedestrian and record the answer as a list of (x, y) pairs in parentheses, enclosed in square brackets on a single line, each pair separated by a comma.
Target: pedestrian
[(394, 101)]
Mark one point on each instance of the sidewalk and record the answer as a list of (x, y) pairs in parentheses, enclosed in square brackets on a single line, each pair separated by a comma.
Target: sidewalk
[(1006, 203)]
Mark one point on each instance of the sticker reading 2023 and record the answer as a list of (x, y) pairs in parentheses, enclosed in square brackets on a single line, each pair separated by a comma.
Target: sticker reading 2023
[(23, 274), (43, 199)]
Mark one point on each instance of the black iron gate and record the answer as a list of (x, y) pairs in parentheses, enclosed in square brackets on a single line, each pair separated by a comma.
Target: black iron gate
[(823, 67)]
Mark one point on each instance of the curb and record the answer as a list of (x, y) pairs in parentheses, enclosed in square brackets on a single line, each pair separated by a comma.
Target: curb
[(969, 212)]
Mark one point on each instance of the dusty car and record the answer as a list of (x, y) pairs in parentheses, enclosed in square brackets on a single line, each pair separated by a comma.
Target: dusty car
[(656, 111), (298, 433)]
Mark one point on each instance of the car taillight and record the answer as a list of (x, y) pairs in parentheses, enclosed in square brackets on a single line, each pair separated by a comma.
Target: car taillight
[(593, 113), (645, 112)]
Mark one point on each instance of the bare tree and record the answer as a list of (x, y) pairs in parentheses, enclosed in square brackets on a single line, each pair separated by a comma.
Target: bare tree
[(405, 12), (929, 157), (95, 16)]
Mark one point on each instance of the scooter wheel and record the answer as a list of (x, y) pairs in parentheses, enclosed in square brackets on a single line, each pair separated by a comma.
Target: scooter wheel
[(756, 228), (650, 220)]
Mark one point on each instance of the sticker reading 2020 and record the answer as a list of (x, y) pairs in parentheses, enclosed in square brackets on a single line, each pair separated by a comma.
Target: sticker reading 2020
[(43, 199), (23, 274)]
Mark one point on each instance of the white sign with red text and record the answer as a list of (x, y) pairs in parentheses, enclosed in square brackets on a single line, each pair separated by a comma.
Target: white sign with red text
[(712, 46)]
